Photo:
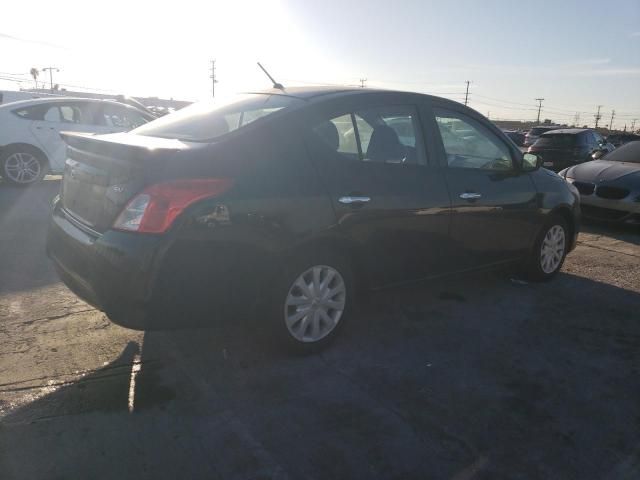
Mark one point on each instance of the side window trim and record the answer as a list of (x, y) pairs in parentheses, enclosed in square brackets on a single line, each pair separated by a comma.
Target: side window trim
[(421, 109), (357, 135)]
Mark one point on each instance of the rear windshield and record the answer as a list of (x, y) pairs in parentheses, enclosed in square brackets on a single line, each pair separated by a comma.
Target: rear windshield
[(629, 152), (206, 121), (539, 130), (559, 140)]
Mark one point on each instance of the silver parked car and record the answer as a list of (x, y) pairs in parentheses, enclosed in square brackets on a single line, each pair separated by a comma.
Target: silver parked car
[(610, 186)]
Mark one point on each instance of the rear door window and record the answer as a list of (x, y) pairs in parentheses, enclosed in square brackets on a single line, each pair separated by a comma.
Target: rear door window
[(71, 114), (380, 134), (52, 114), (338, 134)]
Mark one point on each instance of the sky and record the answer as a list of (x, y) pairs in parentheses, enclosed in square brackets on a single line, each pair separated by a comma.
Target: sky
[(574, 54)]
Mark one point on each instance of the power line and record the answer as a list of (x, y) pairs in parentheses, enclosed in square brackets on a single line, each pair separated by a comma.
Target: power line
[(481, 102), (553, 109)]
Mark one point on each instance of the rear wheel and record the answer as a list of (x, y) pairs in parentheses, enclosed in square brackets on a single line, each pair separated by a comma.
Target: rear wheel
[(550, 250), (23, 166), (311, 302)]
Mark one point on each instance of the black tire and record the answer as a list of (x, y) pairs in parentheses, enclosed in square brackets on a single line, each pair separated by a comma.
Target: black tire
[(9, 153), (277, 331), (533, 267)]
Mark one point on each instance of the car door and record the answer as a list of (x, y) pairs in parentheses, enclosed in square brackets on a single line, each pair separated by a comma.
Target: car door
[(46, 130), (389, 199), (71, 116), (494, 203)]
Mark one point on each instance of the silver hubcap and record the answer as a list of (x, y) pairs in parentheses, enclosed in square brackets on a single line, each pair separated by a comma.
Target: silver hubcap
[(552, 249), (22, 167), (315, 303)]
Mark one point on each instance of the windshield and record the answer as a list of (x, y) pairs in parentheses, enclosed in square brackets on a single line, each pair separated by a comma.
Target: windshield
[(208, 120), (629, 152), (557, 140)]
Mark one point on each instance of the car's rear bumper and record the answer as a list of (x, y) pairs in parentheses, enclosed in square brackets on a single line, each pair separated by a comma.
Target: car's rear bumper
[(114, 271)]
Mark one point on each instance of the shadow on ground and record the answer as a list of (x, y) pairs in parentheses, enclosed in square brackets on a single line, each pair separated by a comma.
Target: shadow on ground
[(625, 233), (24, 214), (476, 377)]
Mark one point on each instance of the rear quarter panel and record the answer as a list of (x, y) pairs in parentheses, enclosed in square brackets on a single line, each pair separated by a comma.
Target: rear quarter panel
[(276, 206)]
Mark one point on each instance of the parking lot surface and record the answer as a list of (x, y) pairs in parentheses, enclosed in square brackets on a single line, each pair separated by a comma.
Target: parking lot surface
[(480, 376)]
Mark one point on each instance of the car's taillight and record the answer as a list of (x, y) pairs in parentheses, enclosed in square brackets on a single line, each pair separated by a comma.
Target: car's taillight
[(155, 208)]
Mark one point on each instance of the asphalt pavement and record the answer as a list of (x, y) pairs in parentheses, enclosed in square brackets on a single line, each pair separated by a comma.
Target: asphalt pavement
[(480, 376)]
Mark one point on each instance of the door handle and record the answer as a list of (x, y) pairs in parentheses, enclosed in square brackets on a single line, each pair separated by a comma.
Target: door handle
[(470, 196), (349, 200)]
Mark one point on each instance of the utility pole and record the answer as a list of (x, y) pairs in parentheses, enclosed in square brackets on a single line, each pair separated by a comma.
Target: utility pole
[(576, 119), (213, 78), (51, 69), (362, 82), (598, 116), (633, 125), (466, 95), (613, 114), (539, 100)]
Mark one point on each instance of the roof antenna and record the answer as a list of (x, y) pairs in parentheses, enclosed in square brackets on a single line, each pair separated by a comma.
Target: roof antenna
[(275, 84)]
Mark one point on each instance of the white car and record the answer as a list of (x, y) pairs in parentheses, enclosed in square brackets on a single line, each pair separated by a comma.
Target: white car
[(30, 142)]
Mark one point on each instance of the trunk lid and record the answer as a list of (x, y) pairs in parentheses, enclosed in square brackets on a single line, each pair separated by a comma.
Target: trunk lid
[(102, 173)]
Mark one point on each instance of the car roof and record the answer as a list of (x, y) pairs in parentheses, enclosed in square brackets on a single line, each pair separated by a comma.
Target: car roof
[(567, 131), (320, 92), (41, 101), (310, 92)]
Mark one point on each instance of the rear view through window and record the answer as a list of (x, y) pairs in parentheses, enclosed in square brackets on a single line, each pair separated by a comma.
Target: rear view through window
[(557, 140), (208, 120)]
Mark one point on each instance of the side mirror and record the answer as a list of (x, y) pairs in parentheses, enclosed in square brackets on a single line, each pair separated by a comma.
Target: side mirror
[(531, 162)]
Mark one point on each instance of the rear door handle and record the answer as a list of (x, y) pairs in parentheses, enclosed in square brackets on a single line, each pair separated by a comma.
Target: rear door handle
[(349, 200), (470, 196)]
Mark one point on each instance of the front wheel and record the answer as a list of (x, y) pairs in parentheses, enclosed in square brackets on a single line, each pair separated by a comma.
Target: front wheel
[(550, 250), (311, 303)]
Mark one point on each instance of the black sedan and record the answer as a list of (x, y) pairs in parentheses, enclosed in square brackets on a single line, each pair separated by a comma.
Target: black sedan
[(610, 187), (287, 200), (569, 146), (516, 136)]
